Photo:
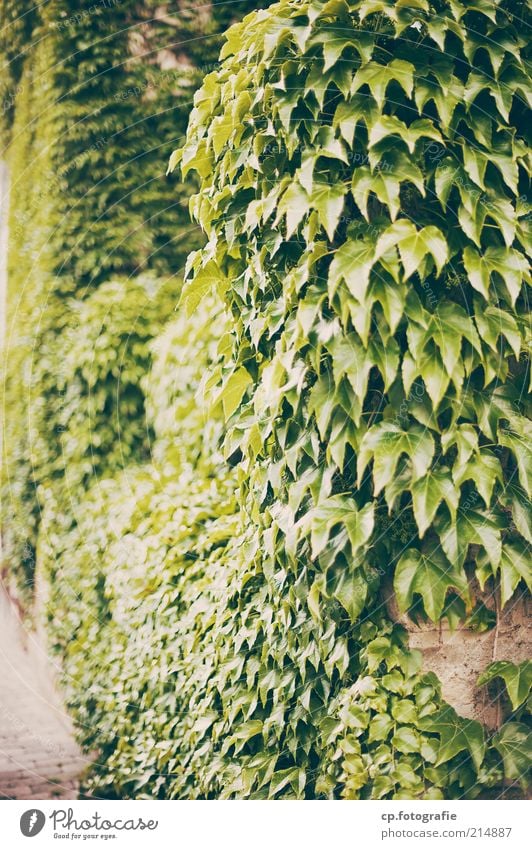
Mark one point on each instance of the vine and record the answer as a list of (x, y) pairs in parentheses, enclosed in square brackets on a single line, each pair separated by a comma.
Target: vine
[(341, 184)]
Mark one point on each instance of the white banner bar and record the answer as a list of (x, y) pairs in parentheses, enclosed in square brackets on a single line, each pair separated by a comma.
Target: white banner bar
[(265, 825)]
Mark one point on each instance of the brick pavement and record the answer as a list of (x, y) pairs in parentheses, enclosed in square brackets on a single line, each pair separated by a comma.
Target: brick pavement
[(39, 758)]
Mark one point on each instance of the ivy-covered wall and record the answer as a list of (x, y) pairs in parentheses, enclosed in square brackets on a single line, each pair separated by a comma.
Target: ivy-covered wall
[(95, 97), (364, 175), (275, 667), (338, 445)]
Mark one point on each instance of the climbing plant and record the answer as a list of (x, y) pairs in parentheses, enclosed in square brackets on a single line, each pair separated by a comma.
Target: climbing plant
[(133, 585), (93, 97), (363, 173), (354, 425), (141, 592), (88, 417), (15, 36), (182, 356)]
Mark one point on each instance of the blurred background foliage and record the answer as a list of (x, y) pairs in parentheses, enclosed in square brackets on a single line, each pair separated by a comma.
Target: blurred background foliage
[(94, 99)]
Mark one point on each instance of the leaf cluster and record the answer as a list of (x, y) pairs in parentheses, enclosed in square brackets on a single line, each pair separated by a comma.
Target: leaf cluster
[(353, 156)]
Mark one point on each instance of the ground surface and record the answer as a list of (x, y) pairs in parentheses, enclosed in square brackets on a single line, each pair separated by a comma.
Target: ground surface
[(39, 758)]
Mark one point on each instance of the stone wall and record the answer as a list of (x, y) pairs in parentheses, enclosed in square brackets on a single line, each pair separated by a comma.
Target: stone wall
[(459, 656)]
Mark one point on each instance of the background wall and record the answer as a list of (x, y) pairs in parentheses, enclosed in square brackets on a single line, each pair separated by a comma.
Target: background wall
[(94, 99)]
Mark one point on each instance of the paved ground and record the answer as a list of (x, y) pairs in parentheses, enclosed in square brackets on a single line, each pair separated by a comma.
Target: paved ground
[(39, 758)]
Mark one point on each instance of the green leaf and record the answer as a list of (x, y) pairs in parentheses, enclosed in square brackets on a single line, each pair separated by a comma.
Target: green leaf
[(508, 168), (475, 164), (322, 402), (282, 778), (243, 733), (484, 469), (405, 711), (520, 445), (313, 600), (335, 41), (329, 202), (517, 678), (515, 566), (483, 7), (457, 735), (406, 740), (347, 117), (340, 510), (348, 114), (430, 577), (511, 265), (501, 92), (475, 528), (385, 186), (464, 437), (380, 727), (220, 132), (428, 90), (389, 125), (206, 280), (435, 376), (385, 443), (378, 77), (386, 356), (233, 391), (294, 204), (428, 493), (445, 178), (446, 327), (502, 213), (514, 744), (405, 776), (352, 263), (472, 213), (352, 592), (300, 35), (438, 26), (391, 298), (414, 245), (493, 323), (400, 164), (329, 146), (350, 358), (520, 512)]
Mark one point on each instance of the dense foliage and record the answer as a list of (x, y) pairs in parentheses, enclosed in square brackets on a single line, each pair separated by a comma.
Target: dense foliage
[(84, 380), (92, 98), (132, 584), (367, 227), (143, 590), (186, 432), (349, 423)]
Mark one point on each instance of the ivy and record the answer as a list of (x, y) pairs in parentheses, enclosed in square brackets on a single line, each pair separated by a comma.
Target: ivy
[(91, 99), (517, 679), (372, 254), (350, 419)]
